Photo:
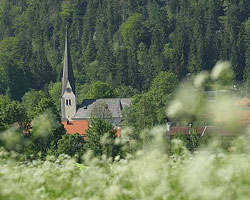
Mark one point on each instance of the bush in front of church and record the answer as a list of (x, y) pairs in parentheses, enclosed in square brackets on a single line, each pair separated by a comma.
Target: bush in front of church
[(71, 145)]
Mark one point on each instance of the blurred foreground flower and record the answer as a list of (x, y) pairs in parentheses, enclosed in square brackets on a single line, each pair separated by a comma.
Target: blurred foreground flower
[(200, 79), (175, 108), (220, 68), (44, 124)]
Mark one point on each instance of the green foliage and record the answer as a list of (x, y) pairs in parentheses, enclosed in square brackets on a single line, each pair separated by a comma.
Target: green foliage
[(125, 92), (133, 27), (165, 83), (14, 74), (92, 70), (99, 90), (148, 109), (82, 91), (192, 141), (44, 105), (67, 10), (10, 112), (55, 90), (142, 113), (168, 53), (71, 145), (101, 138), (247, 56), (45, 134), (120, 43), (35, 139), (30, 100), (14, 140)]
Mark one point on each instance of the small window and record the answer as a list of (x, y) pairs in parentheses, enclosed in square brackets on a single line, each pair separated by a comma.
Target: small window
[(68, 102)]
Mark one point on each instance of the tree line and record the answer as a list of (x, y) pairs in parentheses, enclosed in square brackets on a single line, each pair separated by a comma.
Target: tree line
[(121, 43)]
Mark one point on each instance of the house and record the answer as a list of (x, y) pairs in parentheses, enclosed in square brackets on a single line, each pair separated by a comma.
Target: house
[(242, 113), (201, 130), (75, 118)]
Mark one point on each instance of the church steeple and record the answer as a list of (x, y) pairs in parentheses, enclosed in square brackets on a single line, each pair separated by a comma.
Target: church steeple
[(69, 94), (68, 74)]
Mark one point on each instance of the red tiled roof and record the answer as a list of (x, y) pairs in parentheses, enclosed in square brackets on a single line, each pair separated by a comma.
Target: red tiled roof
[(79, 126), (244, 102)]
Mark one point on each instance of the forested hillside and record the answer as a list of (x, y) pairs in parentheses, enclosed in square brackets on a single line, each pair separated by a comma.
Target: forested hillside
[(120, 42), (140, 49)]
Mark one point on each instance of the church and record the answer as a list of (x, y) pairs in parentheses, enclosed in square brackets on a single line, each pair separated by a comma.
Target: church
[(75, 118)]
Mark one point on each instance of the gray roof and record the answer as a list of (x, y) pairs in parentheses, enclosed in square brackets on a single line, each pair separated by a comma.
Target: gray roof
[(115, 105), (67, 69)]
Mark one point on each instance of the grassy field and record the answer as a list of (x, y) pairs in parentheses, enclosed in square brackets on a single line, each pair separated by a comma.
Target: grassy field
[(210, 173)]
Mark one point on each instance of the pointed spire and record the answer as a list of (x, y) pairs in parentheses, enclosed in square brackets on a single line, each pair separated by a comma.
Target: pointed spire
[(68, 74)]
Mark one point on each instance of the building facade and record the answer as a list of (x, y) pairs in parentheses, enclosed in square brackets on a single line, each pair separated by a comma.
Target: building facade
[(75, 118)]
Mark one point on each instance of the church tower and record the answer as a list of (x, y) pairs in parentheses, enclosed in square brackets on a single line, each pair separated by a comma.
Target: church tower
[(69, 95)]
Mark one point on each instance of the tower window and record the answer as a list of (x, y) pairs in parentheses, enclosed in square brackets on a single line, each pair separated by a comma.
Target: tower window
[(68, 90), (68, 102)]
